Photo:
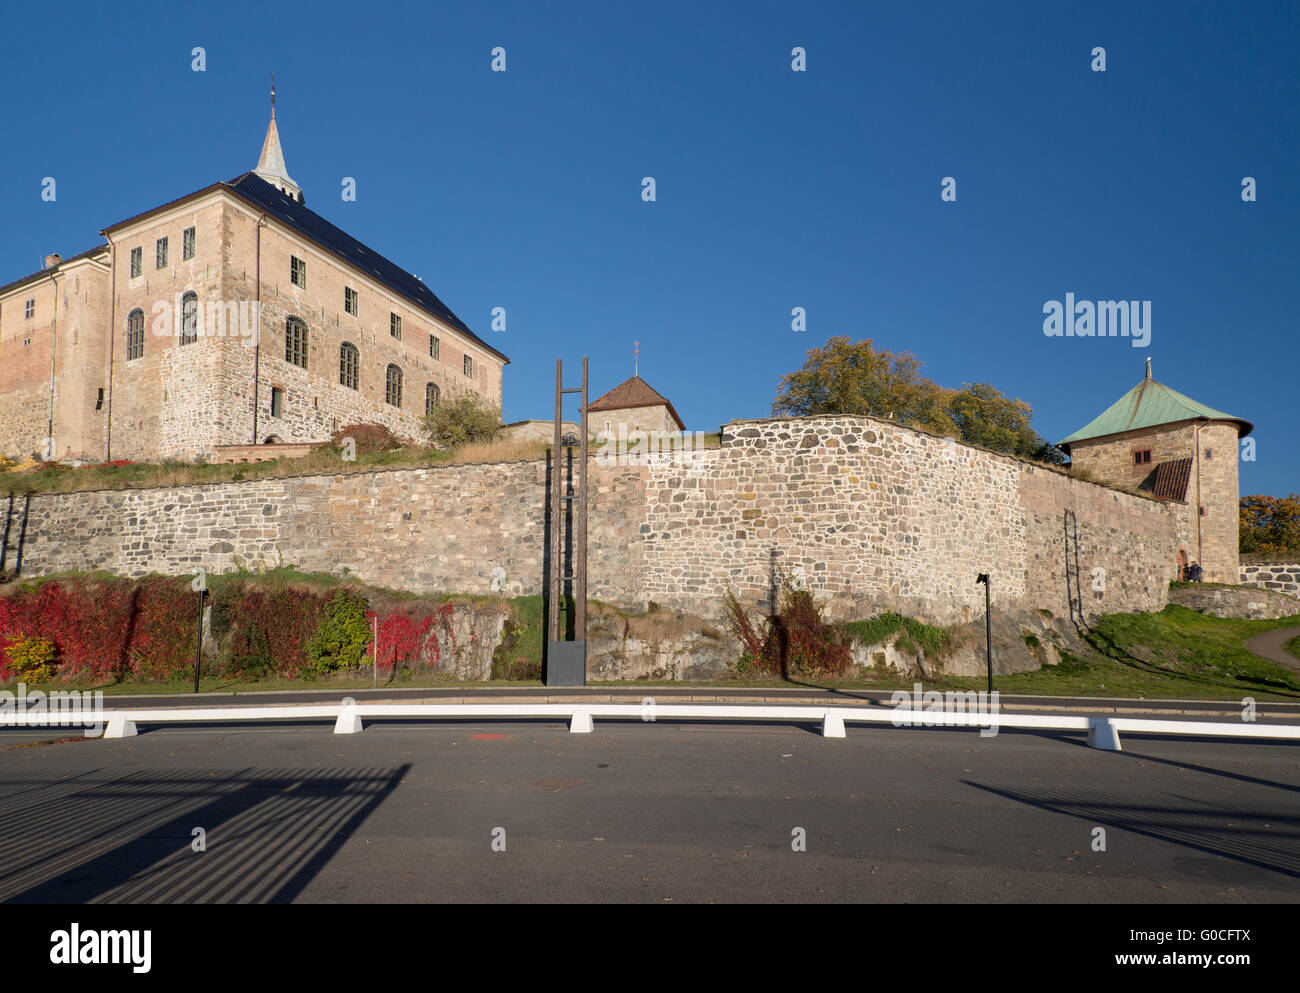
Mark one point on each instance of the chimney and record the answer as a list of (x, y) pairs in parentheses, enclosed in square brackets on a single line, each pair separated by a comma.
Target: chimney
[(1148, 368), (52, 260)]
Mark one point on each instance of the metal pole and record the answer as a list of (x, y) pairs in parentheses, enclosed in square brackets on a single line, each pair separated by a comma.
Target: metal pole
[(580, 545), (374, 647), (198, 652), (553, 614), (988, 626)]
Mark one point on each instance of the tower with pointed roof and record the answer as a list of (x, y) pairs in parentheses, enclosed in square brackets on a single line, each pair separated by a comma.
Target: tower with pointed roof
[(270, 164), (1163, 442)]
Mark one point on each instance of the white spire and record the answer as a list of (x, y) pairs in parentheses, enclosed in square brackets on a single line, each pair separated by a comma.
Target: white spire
[(271, 165)]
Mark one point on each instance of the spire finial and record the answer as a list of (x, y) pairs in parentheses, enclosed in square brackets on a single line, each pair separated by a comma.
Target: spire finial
[(273, 94), (636, 357), (1148, 368)]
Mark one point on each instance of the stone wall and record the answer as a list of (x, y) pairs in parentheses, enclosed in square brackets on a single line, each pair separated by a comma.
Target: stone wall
[(873, 516), (1284, 578)]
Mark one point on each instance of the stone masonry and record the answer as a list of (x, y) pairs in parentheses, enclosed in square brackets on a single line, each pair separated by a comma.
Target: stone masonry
[(872, 515), (1282, 577)]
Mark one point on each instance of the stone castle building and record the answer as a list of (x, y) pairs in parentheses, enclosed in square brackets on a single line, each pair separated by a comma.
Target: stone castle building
[(1157, 440), (231, 316)]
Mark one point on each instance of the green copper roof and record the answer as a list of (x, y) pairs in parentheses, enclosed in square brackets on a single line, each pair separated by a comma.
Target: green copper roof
[(1145, 406)]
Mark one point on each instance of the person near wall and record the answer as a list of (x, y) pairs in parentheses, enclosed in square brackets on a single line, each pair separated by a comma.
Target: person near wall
[(1194, 573)]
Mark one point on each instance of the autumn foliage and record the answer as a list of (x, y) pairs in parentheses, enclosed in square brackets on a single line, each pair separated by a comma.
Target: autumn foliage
[(115, 630), (1270, 527)]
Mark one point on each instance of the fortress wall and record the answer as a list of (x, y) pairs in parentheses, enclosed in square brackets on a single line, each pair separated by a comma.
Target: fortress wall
[(874, 516), (1282, 577)]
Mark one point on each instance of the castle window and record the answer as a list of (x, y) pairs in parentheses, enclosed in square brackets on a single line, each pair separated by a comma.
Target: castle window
[(189, 318), (435, 348), (349, 359), (431, 396), (1209, 453), (1203, 512), (135, 334), (137, 262), (295, 341), (297, 271), (350, 300), (393, 386), (160, 253), (187, 244), (277, 402), (29, 308), (1142, 457), (395, 326), (99, 400), (469, 366)]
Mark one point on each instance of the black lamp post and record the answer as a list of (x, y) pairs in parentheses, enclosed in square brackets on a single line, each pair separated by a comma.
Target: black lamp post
[(983, 577)]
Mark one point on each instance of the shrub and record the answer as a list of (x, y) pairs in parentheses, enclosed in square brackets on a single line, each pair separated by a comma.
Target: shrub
[(340, 641), (31, 659), (370, 438), (251, 659), (463, 420), (794, 641), (269, 629)]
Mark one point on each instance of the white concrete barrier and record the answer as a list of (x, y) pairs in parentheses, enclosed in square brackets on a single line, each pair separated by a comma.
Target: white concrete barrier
[(1103, 732)]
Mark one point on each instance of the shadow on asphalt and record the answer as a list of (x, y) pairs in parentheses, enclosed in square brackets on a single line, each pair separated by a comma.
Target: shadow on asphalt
[(1236, 833), (109, 836)]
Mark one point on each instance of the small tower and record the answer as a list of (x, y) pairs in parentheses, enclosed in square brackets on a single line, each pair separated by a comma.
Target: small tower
[(1156, 439), (270, 166)]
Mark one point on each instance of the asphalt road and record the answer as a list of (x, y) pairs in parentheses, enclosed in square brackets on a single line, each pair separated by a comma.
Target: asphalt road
[(1269, 646), (639, 812)]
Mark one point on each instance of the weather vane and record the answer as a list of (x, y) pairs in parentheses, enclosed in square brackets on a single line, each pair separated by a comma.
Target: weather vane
[(636, 355), (272, 94)]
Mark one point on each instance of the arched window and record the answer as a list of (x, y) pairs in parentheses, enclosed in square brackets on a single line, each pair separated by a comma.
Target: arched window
[(349, 360), (135, 334), (189, 318), (393, 386), (295, 341), (431, 395)]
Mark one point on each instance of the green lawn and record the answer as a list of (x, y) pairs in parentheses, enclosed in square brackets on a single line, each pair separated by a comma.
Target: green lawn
[(1292, 647)]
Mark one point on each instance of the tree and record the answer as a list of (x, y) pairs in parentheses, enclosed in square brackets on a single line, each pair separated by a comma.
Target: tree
[(854, 377), (463, 420), (1270, 526), (986, 416)]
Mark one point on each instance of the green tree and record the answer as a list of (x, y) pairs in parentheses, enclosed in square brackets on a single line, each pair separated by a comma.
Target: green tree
[(986, 416), (1270, 526), (340, 641), (854, 377), (463, 420)]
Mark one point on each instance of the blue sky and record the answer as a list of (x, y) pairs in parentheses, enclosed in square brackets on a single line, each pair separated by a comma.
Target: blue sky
[(775, 189)]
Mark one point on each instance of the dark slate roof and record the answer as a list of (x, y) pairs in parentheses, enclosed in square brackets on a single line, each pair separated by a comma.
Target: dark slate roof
[(310, 224), (1149, 404), (43, 272), (297, 216), (634, 392), (1171, 479)]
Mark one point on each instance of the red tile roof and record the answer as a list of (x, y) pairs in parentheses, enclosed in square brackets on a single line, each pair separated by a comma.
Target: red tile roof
[(634, 392), (1172, 478)]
